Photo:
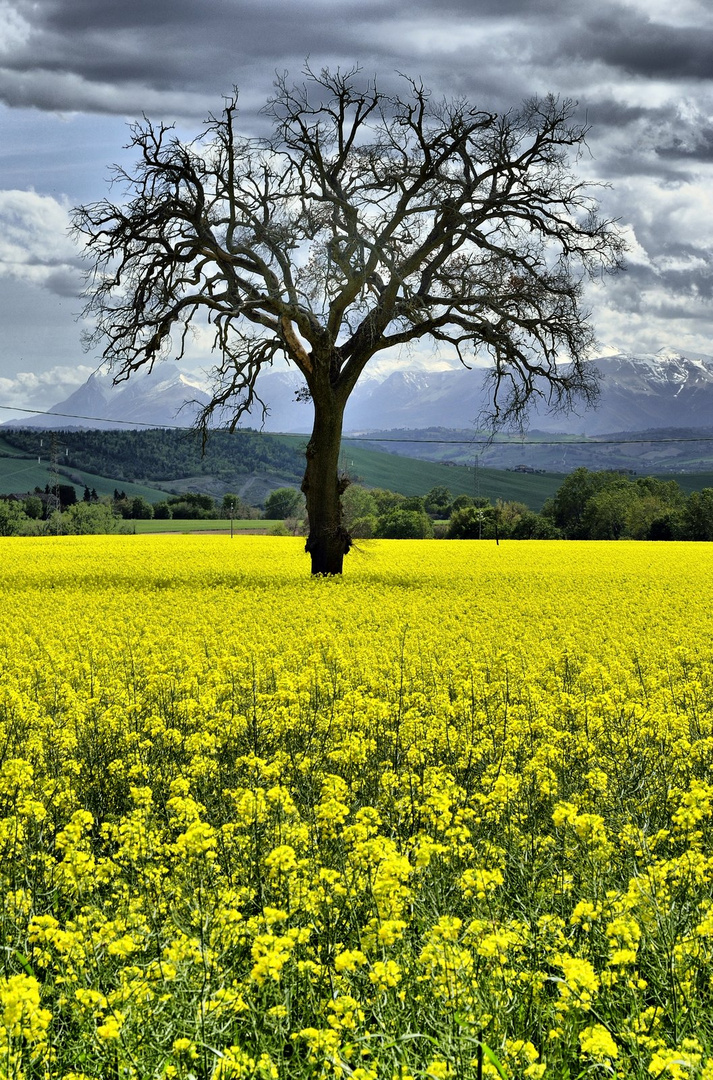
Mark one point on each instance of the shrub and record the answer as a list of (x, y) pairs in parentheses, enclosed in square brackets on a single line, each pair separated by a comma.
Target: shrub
[(405, 525)]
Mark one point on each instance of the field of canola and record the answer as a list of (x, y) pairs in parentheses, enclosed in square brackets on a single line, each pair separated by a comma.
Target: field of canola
[(448, 816)]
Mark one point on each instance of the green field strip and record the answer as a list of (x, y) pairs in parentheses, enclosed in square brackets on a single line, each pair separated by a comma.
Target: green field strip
[(184, 525)]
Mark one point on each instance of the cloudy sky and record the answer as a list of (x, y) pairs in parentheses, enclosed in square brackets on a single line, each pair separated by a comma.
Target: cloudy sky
[(73, 73)]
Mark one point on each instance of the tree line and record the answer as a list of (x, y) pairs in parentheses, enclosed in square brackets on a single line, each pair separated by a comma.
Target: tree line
[(595, 506), (587, 506)]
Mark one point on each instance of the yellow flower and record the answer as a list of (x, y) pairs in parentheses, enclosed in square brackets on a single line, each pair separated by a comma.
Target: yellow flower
[(349, 960), (385, 974), (20, 1012), (111, 1028), (580, 982), (597, 1043)]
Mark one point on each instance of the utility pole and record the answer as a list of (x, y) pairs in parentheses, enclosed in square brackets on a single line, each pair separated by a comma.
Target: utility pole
[(54, 478)]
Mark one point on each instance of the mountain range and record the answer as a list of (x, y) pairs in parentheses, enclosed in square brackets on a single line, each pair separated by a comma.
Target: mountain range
[(667, 389)]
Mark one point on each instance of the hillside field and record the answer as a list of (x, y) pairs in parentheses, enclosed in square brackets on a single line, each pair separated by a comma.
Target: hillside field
[(20, 474), (414, 476), (446, 817)]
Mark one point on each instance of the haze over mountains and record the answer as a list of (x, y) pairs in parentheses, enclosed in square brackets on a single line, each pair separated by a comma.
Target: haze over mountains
[(668, 389)]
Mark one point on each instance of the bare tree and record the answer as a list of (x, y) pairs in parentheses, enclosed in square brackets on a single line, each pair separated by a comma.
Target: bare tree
[(367, 221)]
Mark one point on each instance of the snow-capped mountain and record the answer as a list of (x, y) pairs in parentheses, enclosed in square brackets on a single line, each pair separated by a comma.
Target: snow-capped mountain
[(166, 397), (658, 390)]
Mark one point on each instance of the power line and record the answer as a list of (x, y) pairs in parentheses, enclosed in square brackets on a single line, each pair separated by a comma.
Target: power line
[(592, 440), (79, 416)]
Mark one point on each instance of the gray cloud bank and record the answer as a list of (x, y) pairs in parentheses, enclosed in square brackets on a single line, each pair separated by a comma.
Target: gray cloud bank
[(642, 72)]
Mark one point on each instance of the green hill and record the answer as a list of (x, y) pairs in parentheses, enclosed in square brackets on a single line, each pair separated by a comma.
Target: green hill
[(22, 474), (413, 477)]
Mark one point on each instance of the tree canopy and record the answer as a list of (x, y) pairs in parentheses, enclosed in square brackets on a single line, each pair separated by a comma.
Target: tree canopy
[(367, 221)]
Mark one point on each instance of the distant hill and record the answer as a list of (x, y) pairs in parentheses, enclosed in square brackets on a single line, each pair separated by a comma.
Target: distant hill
[(658, 450), (245, 463)]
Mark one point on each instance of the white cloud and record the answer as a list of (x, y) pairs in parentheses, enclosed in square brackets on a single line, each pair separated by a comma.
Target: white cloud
[(34, 242), (41, 390), (15, 31)]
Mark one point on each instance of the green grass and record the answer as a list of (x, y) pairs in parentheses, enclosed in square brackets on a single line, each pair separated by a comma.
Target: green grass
[(688, 481), (21, 474), (7, 448), (186, 526)]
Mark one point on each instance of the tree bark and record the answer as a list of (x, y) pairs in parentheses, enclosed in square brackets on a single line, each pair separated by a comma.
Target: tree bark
[(328, 541)]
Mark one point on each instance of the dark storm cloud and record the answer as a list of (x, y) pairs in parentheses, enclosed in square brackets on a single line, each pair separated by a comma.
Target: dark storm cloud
[(65, 282), (175, 58), (203, 48), (696, 143), (645, 87), (638, 46)]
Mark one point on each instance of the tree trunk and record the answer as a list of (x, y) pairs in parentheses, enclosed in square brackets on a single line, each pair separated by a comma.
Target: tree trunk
[(328, 540)]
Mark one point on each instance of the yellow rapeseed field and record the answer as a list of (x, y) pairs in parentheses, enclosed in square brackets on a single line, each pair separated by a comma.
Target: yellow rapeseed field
[(449, 815)]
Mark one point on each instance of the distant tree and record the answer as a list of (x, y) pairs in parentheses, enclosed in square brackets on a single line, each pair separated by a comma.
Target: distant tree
[(13, 518), (470, 523), (87, 496), (509, 512), (365, 222), (67, 495), (141, 509), (195, 498), (283, 503), (232, 506), (386, 500), (358, 504), (461, 501), (33, 507), (531, 526), (610, 506), (568, 507), (162, 511), (88, 518), (437, 502), (698, 515), (670, 525), (364, 528), (192, 506), (400, 524), (121, 507)]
